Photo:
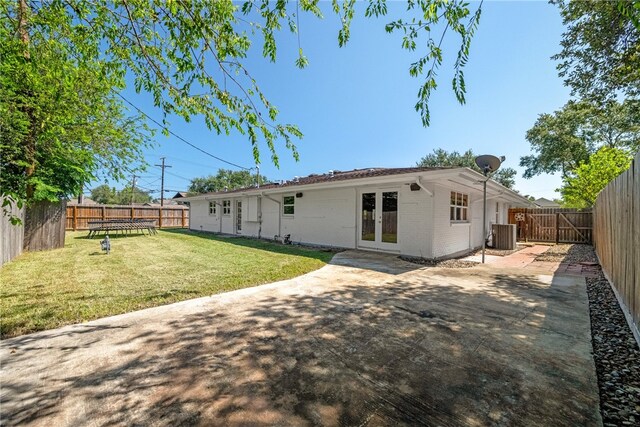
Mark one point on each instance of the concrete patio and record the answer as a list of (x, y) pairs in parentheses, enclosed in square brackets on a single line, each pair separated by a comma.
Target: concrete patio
[(367, 340)]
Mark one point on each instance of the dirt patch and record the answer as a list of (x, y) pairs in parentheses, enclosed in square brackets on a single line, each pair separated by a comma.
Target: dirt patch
[(615, 352), (569, 253), (447, 263)]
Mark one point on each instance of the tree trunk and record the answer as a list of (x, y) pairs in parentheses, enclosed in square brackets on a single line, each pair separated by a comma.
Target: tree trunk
[(30, 140)]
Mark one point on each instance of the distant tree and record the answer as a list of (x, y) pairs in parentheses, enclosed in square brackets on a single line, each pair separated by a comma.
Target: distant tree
[(528, 197), (441, 157), (600, 57), (565, 139), (225, 178), (123, 197), (589, 178), (104, 195)]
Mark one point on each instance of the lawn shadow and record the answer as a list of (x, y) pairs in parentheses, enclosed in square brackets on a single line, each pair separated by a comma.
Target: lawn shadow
[(101, 236), (414, 349), (322, 254)]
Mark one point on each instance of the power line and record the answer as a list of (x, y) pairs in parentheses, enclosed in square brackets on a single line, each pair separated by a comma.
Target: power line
[(179, 137), (178, 176)]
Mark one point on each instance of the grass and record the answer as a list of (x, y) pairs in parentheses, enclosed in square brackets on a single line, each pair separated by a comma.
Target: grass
[(45, 290)]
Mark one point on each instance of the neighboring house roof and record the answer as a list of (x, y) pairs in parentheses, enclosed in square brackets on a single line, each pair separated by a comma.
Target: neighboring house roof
[(85, 201), (371, 176), (546, 203), (168, 203), (180, 194)]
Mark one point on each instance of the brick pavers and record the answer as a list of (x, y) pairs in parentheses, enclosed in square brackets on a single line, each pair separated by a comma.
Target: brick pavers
[(526, 258)]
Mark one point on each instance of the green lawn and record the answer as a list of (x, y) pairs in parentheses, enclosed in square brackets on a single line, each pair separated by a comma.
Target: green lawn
[(44, 290)]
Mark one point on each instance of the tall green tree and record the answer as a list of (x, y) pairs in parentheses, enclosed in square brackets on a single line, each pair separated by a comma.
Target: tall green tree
[(567, 138), (60, 121), (128, 195), (189, 55), (581, 189), (225, 179), (441, 157), (104, 195), (600, 56)]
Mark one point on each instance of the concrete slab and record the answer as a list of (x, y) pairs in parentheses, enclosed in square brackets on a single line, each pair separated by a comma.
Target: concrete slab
[(367, 340)]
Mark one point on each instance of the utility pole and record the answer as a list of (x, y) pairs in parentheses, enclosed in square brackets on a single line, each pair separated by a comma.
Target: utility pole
[(163, 166), (133, 187)]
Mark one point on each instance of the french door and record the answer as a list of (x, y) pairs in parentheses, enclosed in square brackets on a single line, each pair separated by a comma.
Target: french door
[(238, 217), (378, 223)]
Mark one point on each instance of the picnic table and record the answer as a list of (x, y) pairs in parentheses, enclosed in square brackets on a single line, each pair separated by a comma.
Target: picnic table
[(122, 225)]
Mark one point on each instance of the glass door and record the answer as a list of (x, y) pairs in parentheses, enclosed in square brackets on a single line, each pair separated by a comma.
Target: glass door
[(368, 219), (378, 219), (238, 217), (389, 222)]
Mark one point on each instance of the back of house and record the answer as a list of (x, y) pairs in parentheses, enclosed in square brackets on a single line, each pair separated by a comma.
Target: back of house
[(421, 212)]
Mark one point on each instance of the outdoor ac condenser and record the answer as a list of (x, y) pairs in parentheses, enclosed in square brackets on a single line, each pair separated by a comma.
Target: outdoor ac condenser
[(504, 236)]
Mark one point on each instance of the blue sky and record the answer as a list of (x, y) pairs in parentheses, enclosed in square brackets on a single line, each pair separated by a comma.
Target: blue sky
[(355, 105)]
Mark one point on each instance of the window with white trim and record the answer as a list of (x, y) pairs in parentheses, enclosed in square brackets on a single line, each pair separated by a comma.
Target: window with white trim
[(288, 205), (459, 207), (226, 207), (212, 208)]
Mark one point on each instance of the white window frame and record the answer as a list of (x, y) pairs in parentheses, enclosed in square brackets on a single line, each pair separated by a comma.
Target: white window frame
[(213, 209), (292, 205), (459, 209), (226, 207)]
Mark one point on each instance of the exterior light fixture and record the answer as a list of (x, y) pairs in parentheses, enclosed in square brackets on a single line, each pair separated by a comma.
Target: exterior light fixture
[(488, 164)]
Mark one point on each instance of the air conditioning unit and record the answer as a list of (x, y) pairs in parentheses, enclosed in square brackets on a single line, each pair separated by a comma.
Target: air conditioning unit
[(504, 236)]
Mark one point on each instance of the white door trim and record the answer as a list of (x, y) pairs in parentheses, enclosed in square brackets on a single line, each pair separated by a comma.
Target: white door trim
[(377, 243)]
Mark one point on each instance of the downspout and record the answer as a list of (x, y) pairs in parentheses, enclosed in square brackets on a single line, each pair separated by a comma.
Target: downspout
[(357, 218), (259, 211), (423, 187), (279, 215)]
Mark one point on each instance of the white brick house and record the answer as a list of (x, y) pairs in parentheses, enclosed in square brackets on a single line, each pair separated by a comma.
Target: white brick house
[(423, 212)]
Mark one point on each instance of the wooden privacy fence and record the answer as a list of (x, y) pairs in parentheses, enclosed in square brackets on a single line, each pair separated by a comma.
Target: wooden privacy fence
[(556, 225), (78, 216), (617, 239), (11, 236), (42, 228)]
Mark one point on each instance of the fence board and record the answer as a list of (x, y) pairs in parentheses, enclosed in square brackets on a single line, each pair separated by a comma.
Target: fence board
[(11, 236), (172, 216), (559, 225), (617, 239), (44, 226)]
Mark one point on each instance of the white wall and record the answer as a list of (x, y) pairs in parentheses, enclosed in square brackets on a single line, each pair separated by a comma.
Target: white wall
[(199, 218), (414, 222), (323, 217), (450, 238)]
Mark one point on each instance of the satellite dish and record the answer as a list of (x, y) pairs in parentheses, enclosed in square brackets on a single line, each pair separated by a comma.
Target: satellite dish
[(488, 163)]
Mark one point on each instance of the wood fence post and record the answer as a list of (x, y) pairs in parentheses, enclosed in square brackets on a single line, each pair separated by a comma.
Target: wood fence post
[(75, 218), (183, 218), (557, 228), (104, 213), (132, 212), (160, 218)]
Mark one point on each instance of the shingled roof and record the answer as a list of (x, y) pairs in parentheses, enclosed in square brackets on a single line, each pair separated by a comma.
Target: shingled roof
[(332, 177)]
